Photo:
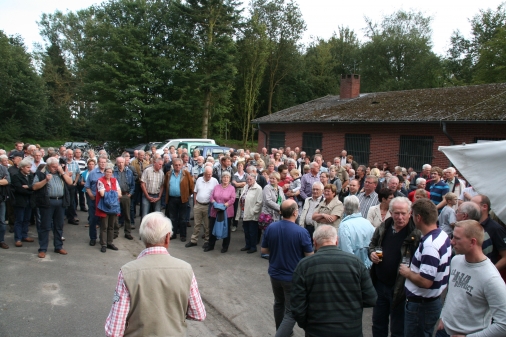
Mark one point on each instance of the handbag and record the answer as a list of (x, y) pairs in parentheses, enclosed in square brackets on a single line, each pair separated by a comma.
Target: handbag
[(109, 203)]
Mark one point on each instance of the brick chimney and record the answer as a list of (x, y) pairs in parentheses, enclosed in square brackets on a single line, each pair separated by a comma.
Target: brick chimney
[(350, 86)]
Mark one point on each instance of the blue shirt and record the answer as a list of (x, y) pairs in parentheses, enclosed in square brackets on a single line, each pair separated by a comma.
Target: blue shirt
[(287, 242), (91, 181), (355, 234), (438, 191), (175, 184)]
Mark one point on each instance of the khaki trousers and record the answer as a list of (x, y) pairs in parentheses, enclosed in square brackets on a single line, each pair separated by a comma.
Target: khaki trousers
[(201, 217)]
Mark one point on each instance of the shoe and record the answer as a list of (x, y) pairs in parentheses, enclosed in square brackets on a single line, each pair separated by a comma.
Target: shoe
[(243, 249), (76, 220), (73, 222), (41, 255), (251, 251), (93, 242), (11, 230), (87, 225), (84, 210), (129, 237), (3, 245), (103, 249), (203, 236), (111, 246), (173, 237), (234, 228), (224, 250), (132, 226), (27, 240), (61, 251), (208, 249), (205, 245), (188, 224), (62, 238), (190, 244), (18, 244), (183, 239), (264, 256)]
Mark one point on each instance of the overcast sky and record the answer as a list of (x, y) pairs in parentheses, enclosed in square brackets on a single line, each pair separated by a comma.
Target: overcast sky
[(322, 17)]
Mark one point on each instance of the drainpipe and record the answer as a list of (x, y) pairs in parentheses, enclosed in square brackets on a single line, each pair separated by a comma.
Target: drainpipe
[(262, 131), (452, 142)]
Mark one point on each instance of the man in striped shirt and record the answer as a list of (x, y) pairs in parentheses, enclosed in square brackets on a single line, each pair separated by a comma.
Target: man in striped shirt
[(428, 274), (368, 197), (156, 293)]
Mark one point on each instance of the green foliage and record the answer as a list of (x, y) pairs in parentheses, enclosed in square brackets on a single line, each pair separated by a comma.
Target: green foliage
[(479, 59), (398, 54), (22, 102)]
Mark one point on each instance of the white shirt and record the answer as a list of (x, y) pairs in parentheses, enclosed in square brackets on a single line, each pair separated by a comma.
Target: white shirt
[(204, 189)]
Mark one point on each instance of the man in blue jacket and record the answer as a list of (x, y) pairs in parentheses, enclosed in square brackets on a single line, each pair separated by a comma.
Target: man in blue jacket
[(126, 182), (287, 243)]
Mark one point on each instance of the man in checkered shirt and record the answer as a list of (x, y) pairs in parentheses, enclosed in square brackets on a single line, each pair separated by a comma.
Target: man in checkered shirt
[(156, 293)]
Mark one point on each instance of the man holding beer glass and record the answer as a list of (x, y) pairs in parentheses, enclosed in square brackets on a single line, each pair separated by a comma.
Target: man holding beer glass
[(394, 240)]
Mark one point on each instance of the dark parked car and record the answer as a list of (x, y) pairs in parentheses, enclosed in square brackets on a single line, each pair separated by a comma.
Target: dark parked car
[(136, 147)]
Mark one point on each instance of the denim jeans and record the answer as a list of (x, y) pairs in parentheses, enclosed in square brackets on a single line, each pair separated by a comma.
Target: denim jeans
[(176, 210), (92, 219), (250, 234), (51, 220), (2, 220), (22, 222), (281, 291), (420, 319), (136, 198), (383, 313), (147, 205)]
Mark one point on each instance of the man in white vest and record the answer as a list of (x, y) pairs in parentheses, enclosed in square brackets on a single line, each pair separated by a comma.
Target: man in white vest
[(156, 293)]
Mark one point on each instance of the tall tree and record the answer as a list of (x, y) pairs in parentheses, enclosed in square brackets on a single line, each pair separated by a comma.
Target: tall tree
[(22, 102), (210, 26), (398, 54), (251, 64), (470, 60), (284, 27)]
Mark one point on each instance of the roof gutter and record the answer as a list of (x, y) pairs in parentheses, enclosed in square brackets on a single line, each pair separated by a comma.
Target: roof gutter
[(381, 122)]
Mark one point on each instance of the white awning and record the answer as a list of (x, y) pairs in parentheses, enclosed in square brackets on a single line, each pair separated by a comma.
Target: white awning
[(483, 165)]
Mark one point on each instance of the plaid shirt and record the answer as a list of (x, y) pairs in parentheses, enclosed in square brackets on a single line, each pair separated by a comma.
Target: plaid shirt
[(153, 180), (116, 321), (366, 201), (74, 167)]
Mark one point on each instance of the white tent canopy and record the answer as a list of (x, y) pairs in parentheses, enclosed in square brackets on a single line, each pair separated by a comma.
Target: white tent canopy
[(483, 165)]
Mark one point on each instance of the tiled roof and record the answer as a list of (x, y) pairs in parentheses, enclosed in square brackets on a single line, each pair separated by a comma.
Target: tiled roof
[(459, 104)]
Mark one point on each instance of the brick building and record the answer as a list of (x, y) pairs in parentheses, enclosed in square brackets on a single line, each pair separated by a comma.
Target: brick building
[(401, 127)]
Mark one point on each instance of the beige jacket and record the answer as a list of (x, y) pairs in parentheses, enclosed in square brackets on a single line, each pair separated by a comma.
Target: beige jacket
[(252, 203)]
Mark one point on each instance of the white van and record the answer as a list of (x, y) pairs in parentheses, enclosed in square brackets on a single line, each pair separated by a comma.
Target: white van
[(170, 142)]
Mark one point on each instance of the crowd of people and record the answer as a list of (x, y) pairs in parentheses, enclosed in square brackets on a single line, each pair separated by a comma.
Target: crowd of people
[(390, 230)]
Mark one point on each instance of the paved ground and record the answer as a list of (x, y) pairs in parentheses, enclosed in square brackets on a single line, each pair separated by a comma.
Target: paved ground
[(71, 295)]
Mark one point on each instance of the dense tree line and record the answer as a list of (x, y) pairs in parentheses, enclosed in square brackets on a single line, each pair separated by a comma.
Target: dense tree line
[(145, 70)]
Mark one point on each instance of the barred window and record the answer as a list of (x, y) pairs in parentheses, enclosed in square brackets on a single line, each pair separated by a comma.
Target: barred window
[(415, 151), (311, 142), (358, 145), (276, 140)]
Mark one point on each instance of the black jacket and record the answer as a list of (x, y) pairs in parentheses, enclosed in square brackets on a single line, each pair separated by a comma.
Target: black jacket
[(22, 194)]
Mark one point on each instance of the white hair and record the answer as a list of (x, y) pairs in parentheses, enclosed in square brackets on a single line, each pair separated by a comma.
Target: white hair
[(51, 161), (154, 227), (325, 233), (452, 170), (397, 200), (426, 167), (420, 181), (25, 162), (319, 184), (351, 204)]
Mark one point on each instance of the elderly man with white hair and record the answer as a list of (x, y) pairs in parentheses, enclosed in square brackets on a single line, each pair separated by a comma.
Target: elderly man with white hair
[(51, 197), (355, 232), (156, 293), (424, 174), (308, 179)]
